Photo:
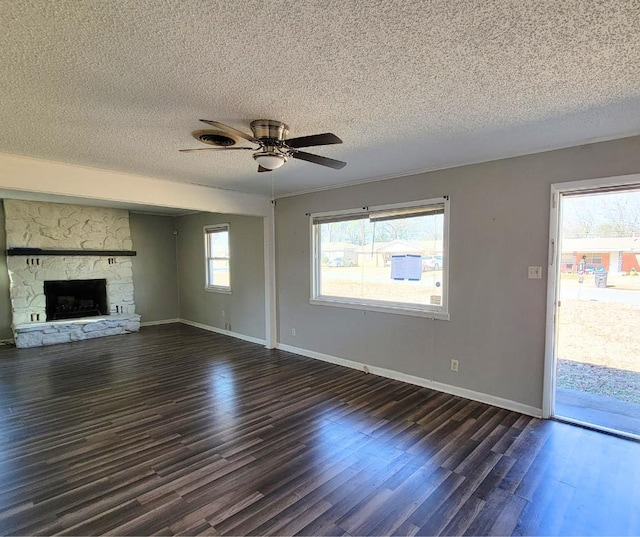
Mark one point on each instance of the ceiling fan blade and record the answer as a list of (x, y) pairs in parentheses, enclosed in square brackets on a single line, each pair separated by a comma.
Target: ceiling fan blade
[(224, 127), (216, 149), (263, 169), (317, 159), (316, 139)]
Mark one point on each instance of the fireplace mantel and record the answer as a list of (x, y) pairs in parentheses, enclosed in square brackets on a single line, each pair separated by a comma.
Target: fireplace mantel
[(52, 251)]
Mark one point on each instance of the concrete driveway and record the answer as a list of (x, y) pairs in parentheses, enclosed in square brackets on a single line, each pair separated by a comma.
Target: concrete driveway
[(588, 291)]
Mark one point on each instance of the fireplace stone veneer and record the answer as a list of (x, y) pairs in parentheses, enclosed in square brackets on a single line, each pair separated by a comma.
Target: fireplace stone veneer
[(28, 274)]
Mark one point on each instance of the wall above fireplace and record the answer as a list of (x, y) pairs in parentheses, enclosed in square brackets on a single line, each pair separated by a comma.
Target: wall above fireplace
[(36, 224)]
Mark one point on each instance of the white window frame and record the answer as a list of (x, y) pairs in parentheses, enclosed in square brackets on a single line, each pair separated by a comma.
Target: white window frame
[(215, 228), (401, 308)]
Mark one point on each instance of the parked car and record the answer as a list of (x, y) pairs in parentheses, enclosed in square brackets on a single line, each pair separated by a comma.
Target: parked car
[(431, 262), (340, 262)]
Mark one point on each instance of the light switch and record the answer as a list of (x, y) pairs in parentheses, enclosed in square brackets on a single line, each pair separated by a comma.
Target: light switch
[(535, 273)]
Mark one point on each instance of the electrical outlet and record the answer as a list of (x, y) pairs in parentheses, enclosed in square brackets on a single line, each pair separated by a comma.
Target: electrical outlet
[(293, 332), (535, 273), (223, 314), (454, 365)]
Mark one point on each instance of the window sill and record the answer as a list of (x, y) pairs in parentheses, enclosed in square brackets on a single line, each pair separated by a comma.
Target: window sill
[(223, 290), (396, 310)]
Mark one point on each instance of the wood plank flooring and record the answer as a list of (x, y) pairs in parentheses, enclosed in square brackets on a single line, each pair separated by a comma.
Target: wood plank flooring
[(175, 430)]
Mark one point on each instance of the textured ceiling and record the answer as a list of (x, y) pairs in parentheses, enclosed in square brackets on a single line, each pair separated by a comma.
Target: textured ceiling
[(408, 85)]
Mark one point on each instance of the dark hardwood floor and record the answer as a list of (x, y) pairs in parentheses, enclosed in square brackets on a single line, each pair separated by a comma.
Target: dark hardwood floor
[(175, 430)]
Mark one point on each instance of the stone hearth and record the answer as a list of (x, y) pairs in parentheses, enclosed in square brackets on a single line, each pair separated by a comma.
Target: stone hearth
[(50, 333)]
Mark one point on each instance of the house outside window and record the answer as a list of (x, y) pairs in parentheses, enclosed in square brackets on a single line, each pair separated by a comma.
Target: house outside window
[(217, 258), (390, 258)]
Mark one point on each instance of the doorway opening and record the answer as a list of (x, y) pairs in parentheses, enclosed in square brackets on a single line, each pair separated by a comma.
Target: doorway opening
[(596, 351)]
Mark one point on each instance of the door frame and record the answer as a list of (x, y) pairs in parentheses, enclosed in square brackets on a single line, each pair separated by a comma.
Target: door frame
[(553, 272)]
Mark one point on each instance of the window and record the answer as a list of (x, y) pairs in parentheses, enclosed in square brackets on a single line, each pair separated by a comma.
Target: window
[(391, 258), (217, 257)]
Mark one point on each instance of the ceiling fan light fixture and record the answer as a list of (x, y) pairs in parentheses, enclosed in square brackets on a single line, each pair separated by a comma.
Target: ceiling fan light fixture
[(269, 160)]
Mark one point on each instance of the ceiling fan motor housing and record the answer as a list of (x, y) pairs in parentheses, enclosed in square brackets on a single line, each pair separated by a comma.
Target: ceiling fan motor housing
[(270, 129)]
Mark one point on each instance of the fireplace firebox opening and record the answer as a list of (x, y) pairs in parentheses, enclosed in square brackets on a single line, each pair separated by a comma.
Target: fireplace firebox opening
[(74, 299)]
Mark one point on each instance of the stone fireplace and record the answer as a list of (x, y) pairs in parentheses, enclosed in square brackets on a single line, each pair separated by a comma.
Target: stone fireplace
[(55, 255)]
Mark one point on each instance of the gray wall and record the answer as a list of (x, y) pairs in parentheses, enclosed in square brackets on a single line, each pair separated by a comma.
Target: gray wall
[(499, 226), (5, 302), (244, 308), (155, 273)]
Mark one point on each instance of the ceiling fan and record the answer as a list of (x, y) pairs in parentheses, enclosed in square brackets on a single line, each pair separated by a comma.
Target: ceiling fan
[(274, 149)]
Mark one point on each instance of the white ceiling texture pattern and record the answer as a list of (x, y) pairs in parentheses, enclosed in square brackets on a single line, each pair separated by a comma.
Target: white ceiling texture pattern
[(408, 85)]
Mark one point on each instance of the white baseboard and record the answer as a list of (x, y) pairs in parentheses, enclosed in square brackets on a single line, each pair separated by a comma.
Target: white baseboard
[(224, 332), (164, 321), (419, 381)]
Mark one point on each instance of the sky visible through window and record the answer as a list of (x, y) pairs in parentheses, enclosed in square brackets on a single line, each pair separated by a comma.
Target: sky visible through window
[(602, 215)]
